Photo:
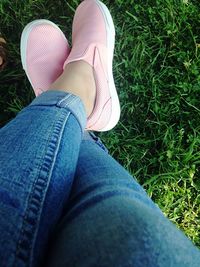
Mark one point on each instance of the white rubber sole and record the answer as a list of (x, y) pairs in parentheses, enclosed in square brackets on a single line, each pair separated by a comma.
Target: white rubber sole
[(25, 36), (110, 29)]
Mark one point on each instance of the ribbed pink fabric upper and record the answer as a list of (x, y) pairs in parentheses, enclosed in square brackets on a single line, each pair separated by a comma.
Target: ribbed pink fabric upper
[(47, 50), (89, 43)]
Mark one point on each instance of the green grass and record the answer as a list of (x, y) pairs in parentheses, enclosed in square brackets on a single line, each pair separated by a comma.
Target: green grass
[(157, 73)]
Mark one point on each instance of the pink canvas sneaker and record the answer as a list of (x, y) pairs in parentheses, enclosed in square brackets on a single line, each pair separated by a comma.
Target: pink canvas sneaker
[(44, 50), (93, 39)]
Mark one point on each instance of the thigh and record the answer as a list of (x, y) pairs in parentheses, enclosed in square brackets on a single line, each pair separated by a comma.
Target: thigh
[(38, 155), (110, 221)]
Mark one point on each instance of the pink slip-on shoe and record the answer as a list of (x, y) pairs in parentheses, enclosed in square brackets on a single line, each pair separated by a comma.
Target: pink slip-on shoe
[(44, 49), (93, 39)]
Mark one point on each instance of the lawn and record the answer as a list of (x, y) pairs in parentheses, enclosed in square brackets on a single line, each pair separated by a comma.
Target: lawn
[(157, 73)]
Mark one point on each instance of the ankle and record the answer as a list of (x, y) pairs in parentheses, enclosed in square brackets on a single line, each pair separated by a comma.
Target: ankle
[(80, 71), (78, 79), (83, 83)]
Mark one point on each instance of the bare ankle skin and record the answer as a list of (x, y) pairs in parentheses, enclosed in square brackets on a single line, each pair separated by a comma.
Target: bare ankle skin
[(78, 79)]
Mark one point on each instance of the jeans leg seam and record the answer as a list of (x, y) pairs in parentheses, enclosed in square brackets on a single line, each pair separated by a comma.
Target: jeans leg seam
[(30, 225), (70, 103), (64, 99)]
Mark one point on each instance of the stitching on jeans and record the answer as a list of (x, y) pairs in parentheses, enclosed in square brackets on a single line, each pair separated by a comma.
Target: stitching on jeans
[(70, 107), (59, 138), (58, 130), (65, 98), (77, 116), (62, 100), (71, 102)]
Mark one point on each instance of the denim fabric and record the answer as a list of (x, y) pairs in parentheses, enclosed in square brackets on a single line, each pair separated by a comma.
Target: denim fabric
[(92, 137), (38, 156), (60, 189), (110, 221)]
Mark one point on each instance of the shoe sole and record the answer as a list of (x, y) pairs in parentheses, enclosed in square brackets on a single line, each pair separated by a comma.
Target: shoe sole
[(25, 36), (110, 29)]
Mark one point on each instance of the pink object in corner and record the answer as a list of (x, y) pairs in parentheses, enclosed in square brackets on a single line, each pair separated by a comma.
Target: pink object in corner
[(93, 39), (44, 49)]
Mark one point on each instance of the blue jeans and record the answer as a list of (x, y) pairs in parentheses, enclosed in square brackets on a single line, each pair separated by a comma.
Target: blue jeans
[(64, 201)]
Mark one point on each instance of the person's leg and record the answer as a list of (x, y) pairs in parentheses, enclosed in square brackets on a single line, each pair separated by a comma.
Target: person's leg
[(110, 221), (39, 148), (38, 155)]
